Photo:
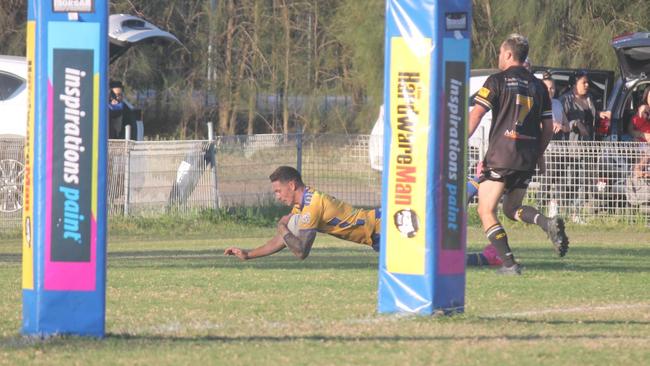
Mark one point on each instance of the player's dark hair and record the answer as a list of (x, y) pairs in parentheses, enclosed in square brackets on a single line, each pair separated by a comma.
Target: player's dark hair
[(518, 45), (115, 84), (286, 174)]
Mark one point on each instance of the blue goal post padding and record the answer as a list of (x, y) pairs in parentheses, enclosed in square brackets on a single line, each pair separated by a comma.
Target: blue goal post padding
[(424, 217), (64, 213)]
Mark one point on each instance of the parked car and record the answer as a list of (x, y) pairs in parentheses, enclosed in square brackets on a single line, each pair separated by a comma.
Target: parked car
[(621, 96), (602, 81), (13, 96), (124, 31), (633, 53)]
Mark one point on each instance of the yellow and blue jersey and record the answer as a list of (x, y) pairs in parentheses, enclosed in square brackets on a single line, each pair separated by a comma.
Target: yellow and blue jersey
[(329, 215)]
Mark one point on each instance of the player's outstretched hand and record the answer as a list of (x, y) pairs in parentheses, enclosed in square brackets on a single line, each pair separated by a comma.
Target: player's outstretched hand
[(237, 252)]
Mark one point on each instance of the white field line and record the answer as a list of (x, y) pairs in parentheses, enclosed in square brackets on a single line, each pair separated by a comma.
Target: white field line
[(579, 309)]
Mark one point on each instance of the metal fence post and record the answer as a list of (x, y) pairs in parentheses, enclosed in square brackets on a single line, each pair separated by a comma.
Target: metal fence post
[(213, 156), (127, 168), (299, 148)]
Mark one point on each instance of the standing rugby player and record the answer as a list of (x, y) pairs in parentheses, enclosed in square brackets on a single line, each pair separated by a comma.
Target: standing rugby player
[(522, 127)]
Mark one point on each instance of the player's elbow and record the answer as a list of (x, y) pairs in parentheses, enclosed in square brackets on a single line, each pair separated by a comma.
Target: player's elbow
[(301, 254)]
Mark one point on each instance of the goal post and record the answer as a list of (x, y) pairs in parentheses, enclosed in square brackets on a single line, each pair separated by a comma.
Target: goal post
[(64, 216), (424, 217)]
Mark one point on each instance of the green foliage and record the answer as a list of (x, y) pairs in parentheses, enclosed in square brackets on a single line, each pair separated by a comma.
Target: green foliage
[(359, 26), (562, 33), (288, 55), (13, 17)]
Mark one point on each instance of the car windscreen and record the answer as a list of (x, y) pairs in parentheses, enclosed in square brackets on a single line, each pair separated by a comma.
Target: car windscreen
[(9, 84)]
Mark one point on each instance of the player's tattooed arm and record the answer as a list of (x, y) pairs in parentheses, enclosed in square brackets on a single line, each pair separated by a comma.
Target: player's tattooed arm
[(272, 246), (300, 245)]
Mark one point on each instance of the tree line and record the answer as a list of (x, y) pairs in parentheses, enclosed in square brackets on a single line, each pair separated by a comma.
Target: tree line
[(272, 66)]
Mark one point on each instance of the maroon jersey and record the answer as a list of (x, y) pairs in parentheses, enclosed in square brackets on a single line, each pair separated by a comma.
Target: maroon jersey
[(519, 101)]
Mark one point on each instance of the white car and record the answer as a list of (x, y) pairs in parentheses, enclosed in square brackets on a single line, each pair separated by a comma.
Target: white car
[(477, 141), (124, 31), (13, 96)]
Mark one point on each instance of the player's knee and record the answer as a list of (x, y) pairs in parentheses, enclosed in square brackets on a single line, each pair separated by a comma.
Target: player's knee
[(484, 211)]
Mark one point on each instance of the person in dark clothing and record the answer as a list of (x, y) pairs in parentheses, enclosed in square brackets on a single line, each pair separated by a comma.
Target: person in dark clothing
[(583, 117), (580, 109), (120, 112), (521, 130)]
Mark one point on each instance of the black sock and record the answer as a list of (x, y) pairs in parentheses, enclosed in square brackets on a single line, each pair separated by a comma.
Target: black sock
[(476, 259), (498, 237), (531, 215)]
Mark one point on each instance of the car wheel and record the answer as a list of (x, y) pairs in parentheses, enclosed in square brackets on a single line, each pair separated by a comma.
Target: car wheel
[(12, 173)]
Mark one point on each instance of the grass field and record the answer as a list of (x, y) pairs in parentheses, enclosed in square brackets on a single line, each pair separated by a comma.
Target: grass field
[(177, 300)]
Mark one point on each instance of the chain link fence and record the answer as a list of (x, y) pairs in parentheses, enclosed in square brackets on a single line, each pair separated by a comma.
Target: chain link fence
[(584, 181)]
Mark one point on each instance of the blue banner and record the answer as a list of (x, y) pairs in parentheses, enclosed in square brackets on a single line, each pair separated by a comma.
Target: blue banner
[(427, 59), (64, 237)]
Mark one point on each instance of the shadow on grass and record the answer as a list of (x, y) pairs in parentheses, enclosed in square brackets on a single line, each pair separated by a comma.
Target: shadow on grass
[(587, 259), (10, 258), (581, 251), (20, 342), (579, 259), (325, 258), (566, 322), (355, 339), (325, 338)]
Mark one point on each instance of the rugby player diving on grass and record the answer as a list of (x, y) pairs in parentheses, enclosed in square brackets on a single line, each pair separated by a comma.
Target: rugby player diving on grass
[(313, 211)]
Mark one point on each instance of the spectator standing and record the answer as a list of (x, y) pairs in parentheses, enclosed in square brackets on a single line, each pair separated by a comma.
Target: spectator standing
[(582, 115), (120, 112), (556, 159), (560, 123)]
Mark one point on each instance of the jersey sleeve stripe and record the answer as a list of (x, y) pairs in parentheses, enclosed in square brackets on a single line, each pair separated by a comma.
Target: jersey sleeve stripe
[(547, 114), (482, 101)]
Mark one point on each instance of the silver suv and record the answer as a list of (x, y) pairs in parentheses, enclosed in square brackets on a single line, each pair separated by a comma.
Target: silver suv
[(633, 53)]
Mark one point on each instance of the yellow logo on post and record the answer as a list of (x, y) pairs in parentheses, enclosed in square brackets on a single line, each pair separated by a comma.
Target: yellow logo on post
[(407, 167)]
